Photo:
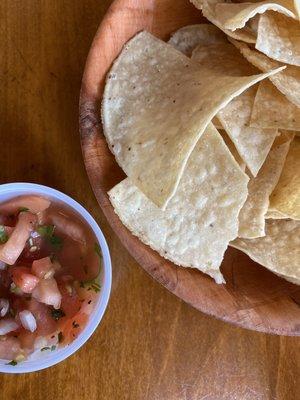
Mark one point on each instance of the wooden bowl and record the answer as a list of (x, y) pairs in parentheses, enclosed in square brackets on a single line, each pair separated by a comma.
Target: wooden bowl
[(253, 297)]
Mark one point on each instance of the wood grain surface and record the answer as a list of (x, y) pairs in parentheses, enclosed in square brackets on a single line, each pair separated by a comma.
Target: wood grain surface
[(150, 344), (253, 297)]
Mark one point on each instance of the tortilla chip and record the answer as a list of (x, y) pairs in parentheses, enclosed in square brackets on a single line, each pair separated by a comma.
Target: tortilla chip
[(252, 215), (156, 105), (200, 219), (271, 109), (279, 38), (279, 250), (209, 12), (275, 215), (253, 144), (235, 15), (297, 7), (189, 37), (287, 81), (286, 196), (232, 149)]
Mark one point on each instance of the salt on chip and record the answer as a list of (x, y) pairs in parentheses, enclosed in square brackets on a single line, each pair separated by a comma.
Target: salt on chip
[(235, 15), (253, 144), (286, 196), (188, 37), (279, 250), (156, 105), (279, 38), (286, 81), (202, 217), (208, 8), (252, 215), (271, 109)]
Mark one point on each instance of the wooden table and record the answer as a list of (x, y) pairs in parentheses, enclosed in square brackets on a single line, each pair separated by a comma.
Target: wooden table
[(150, 345)]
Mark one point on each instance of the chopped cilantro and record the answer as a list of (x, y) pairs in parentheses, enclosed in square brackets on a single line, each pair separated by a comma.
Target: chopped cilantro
[(12, 362), (91, 285), (23, 209), (3, 235), (60, 337), (47, 231), (57, 314), (56, 242), (53, 348), (45, 348), (98, 251)]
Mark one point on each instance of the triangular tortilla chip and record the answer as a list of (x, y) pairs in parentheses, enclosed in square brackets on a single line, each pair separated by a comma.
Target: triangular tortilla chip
[(156, 105), (287, 81), (286, 195), (279, 250), (253, 144), (209, 12), (232, 148), (235, 15), (252, 215), (189, 37), (275, 215), (202, 217), (279, 38), (271, 109)]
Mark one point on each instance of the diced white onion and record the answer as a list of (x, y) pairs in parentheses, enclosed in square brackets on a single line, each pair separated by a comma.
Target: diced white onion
[(34, 234), (3, 266), (28, 320), (8, 325), (4, 307)]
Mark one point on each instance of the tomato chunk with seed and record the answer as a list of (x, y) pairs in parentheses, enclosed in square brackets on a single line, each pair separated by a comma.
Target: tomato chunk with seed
[(47, 292), (43, 267), (24, 279)]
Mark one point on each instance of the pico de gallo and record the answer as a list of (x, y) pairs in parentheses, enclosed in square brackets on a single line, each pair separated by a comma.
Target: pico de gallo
[(50, 262)]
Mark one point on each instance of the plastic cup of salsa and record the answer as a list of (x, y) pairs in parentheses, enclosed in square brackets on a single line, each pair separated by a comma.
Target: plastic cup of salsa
[(42, 360)]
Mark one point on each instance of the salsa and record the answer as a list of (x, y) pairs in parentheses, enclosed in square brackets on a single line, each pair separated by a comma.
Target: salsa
[(50, 261)]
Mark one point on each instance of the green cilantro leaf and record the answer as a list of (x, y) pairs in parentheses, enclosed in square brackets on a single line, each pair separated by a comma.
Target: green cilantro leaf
[(57, 314), (53, 348), (12, 362), (45, 348), (47, 231), (3, 235), (23, 209)]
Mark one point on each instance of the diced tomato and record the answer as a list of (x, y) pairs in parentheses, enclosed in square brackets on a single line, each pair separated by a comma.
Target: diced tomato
[(47, 292), (8, 230), (34, 204), (45, 323), (27, 339), (68, 226), (71, 328), (24, 279), (9, 348), (5, 279), (70, 302), (42, 267), (11, 250)]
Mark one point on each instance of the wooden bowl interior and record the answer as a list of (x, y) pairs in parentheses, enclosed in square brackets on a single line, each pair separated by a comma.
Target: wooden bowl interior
[(253, 297)]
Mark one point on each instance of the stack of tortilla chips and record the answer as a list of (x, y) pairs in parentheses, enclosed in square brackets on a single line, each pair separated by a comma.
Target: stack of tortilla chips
[(206, 129)]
